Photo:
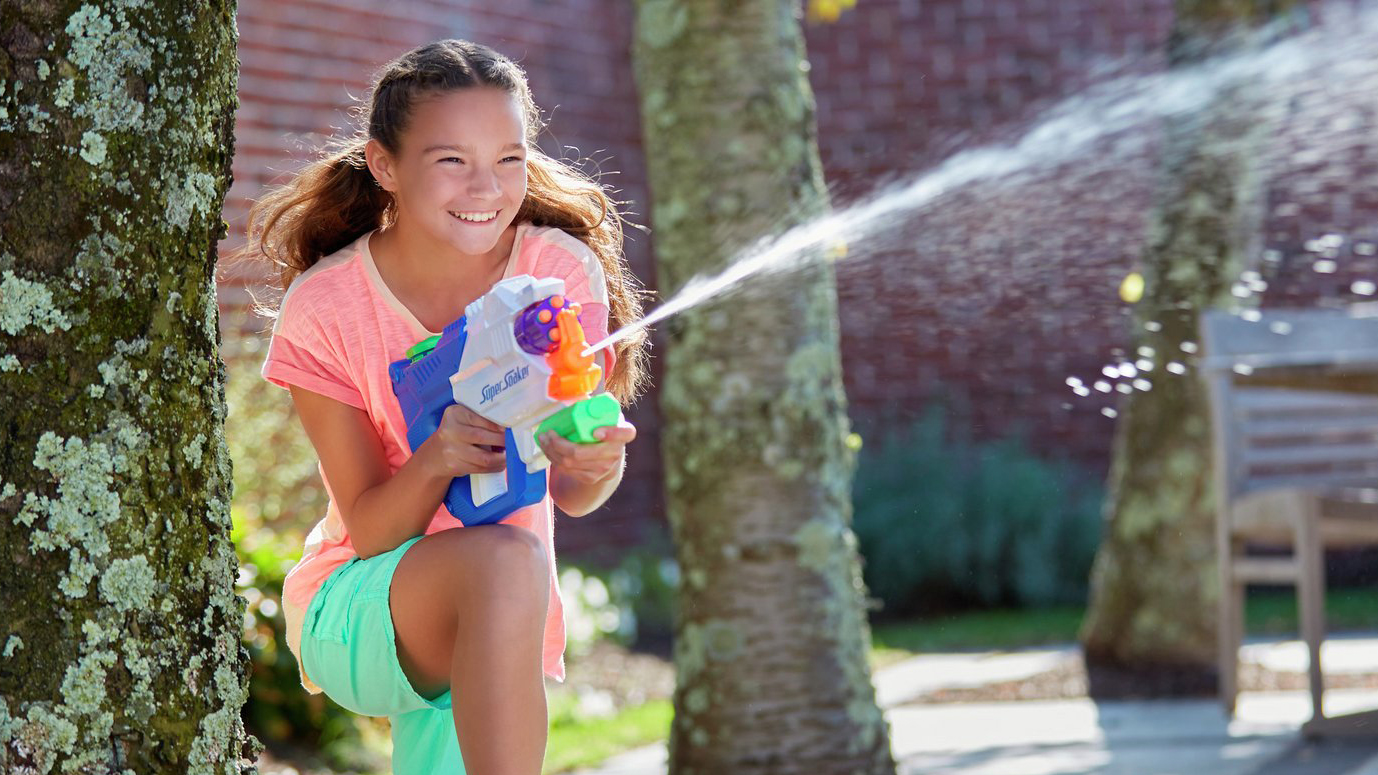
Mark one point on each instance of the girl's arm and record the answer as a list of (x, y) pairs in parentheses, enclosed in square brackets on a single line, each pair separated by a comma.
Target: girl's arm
[(381, 509), (583, 476)]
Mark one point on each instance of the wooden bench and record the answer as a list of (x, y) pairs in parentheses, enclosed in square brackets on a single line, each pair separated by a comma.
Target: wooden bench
[(1294, 405)]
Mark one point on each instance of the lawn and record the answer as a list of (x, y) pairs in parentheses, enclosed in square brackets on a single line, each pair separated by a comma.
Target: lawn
[(1269, 612)]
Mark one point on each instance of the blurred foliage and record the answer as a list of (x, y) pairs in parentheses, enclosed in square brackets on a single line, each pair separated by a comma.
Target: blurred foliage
[(946, 521), (630, 600)]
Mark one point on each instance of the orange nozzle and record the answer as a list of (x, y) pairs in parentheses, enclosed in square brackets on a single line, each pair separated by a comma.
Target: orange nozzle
[(574, 375)]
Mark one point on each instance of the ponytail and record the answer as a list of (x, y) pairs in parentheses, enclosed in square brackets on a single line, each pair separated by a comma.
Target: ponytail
[(331, 202)]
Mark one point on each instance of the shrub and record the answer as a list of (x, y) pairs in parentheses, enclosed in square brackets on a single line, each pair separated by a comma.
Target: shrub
[(943, 521)]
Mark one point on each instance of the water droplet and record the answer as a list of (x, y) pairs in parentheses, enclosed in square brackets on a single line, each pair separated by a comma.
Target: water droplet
[(1188, 347), (1325, 266), (1364, 287), (1243, 369), (1143, 384), (1176, 368), (1102, 386), (1144, 364), (1110, 371), (1280, 327), (1108, 412)]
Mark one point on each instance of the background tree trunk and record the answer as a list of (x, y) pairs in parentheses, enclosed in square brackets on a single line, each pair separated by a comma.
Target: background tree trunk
[(772, 638), (1154, 592), (121, 633)]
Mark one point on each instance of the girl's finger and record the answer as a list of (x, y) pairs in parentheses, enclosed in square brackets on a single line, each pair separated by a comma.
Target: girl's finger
[(623, 434), (472, 435)]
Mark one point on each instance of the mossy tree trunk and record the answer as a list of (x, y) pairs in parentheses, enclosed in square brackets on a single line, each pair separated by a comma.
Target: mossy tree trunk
[(772, 638), (120, 641), (1152, 618)]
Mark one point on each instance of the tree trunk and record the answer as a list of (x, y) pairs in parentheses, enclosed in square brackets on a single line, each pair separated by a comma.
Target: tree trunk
[(772, 639), (121, 632), (1154, 587)]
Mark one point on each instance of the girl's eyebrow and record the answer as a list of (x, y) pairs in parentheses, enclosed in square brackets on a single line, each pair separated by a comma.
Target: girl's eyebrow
[(467, 149)]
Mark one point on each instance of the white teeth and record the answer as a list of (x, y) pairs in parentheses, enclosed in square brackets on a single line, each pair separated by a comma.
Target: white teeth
[(475, 217)]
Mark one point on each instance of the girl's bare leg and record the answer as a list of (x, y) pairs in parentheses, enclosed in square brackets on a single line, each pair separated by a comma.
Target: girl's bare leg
[(469, 608)]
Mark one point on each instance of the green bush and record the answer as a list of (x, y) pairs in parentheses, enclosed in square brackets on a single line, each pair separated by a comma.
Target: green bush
[(630, 601), (946, 521)]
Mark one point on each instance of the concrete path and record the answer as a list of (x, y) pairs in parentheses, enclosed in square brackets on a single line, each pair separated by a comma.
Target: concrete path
[(1081, 737)]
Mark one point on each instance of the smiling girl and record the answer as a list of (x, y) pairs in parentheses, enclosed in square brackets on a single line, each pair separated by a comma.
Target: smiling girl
[(395, 609)]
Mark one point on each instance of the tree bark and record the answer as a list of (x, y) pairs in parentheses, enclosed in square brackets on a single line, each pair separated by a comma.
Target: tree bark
[(1154, 589), (772, 638), (120, 642)]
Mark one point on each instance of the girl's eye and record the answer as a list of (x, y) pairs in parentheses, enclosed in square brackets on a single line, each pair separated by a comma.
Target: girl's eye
[(453, 158), (513, 158)]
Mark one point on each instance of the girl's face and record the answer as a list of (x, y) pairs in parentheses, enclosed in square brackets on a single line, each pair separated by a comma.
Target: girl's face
[(460, 173)]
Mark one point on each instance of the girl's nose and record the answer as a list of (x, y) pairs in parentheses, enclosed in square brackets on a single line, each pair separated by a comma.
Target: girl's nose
[(484, 184)]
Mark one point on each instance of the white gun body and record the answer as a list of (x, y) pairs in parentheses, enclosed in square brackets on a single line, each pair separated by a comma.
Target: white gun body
[(502, 382)]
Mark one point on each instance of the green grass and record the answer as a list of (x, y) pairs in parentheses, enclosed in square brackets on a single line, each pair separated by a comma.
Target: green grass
[(576, 742), (1268, 612)]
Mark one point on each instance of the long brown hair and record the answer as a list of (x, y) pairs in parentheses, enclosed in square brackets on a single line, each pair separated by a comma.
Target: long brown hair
[(335, 200)]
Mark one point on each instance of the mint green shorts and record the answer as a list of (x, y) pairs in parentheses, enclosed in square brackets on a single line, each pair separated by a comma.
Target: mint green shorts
[(349, 649)]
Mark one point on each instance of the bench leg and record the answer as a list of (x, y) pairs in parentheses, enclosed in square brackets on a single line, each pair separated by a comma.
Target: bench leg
[(1230, 627), (1311, 598)]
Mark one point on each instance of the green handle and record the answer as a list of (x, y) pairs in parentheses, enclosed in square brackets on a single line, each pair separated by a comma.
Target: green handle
[(577, 422)]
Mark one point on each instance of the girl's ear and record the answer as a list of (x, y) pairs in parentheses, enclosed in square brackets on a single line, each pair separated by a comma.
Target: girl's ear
[(380, 163)]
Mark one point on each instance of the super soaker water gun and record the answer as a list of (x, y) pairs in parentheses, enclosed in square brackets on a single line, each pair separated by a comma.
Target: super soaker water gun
[(517, 358)]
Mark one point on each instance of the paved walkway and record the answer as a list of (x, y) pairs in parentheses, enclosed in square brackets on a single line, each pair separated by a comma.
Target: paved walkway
[(1081, 737)]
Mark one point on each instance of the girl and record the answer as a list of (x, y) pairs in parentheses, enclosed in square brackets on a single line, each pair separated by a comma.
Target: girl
[(394, 610)]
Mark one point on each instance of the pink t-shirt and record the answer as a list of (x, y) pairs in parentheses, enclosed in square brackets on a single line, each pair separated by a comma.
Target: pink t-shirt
[(339, 327)]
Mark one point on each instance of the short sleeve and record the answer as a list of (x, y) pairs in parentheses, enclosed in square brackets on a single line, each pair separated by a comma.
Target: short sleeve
[(303, 353), (569, 259)]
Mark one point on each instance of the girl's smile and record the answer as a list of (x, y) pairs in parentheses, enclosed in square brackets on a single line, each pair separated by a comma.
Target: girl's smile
[(477, 218)]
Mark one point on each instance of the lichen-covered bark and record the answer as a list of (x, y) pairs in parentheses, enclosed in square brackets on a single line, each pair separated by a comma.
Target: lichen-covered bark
[(120, 644), (772, 638), (1154, 588)]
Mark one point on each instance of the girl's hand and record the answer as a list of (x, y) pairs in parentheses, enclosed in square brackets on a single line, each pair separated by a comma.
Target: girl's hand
[(589, 463), (465, 443)]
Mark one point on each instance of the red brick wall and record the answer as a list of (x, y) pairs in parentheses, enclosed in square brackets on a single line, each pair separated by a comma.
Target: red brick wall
[(994, 295)]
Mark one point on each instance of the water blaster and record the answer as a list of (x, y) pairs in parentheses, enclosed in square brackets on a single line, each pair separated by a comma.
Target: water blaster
[(516, 358)]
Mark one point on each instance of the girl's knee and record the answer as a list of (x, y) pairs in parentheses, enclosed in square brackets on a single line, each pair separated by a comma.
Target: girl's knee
[(517, 562)]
